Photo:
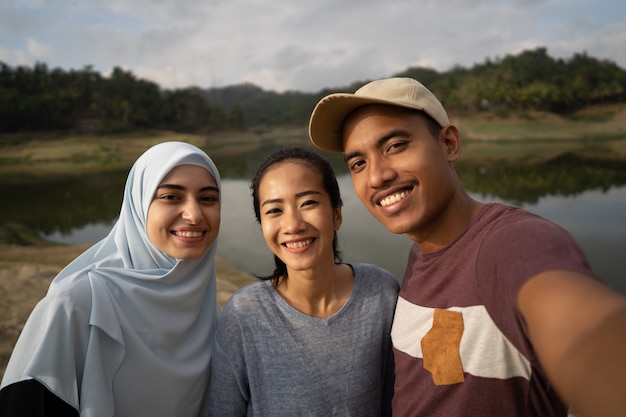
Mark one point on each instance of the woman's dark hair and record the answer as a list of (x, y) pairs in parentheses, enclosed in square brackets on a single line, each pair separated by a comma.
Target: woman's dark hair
[(318, 164)]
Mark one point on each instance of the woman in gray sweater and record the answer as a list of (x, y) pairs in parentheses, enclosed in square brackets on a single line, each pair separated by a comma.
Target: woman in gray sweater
[(313, 338)]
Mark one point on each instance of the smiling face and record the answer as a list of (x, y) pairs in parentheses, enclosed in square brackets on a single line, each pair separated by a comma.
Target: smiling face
[(401, 172), (184, 216), (297, 217)]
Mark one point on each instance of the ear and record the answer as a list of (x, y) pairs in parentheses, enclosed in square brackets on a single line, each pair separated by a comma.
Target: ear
[(337, 218), (450, 138)]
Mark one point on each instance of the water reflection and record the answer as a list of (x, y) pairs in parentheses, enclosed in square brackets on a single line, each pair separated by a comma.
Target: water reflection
[(522, 183), (62, 205)]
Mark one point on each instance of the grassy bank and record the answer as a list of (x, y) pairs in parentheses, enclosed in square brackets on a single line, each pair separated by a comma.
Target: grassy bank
[(595, 132), (601, 121), (598, 131)]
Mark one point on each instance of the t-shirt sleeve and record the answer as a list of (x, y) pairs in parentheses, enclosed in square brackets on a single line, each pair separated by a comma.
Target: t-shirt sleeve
[(517, 249)]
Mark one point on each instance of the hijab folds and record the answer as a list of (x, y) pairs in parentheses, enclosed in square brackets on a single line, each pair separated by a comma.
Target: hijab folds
[(126, 329)]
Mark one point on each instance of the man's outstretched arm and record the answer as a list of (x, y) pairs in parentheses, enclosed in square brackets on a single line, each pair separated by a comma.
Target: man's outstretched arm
[(578, 328)]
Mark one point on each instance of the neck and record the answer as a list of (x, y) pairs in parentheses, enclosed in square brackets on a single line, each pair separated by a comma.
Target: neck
[(448, 226), (319, 293)]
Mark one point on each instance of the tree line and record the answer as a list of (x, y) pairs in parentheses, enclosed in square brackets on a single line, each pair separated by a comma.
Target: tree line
[(39, 98), (531, 80)]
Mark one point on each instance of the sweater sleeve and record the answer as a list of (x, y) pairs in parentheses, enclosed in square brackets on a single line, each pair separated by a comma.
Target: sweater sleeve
[(31, 398), (389, 380), (229, 394), (389, 292)]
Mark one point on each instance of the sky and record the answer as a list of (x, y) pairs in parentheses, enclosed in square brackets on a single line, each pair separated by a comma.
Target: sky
[(299, 45)]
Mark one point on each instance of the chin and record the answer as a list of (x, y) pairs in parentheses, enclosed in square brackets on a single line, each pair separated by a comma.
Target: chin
[(397, 228), (187, 255)]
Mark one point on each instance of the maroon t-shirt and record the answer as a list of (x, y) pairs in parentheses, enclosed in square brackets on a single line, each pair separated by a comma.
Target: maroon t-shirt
[(476, 358)]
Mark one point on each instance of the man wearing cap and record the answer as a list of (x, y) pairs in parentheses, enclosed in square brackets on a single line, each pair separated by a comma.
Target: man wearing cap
[(499, 312)]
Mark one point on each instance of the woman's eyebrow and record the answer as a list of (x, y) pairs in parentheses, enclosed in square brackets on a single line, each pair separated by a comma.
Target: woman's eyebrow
[(173, 186), (182, 188), (271, 201), (308, 192), (298, 195), (210, 188)]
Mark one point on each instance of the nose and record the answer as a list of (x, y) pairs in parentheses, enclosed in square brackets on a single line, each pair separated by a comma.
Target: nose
[(380, 172), (293, 221), (191, 211)]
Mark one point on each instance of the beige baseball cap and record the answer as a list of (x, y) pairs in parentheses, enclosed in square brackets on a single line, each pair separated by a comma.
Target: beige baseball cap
[(327, 118)]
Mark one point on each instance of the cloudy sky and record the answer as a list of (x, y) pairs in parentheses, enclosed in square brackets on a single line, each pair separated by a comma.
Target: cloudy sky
[(302, 45)]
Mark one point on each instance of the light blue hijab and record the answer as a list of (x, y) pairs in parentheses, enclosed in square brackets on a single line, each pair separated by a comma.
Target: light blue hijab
[(126, 329)]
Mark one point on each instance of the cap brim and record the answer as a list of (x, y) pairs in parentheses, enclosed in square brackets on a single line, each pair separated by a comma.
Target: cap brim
[(326, 123)]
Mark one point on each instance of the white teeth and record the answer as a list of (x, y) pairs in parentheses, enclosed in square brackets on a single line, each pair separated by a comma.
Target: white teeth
[(299, 244), (393, 198), (188, 234)]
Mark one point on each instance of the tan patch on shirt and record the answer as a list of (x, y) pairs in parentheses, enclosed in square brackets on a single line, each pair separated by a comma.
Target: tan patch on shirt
[(441, 348)]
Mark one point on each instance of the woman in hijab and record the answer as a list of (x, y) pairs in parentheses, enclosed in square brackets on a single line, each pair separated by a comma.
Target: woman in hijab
[(126, 328)]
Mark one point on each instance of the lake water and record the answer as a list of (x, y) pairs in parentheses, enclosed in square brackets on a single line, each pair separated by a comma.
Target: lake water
[(595, 217)]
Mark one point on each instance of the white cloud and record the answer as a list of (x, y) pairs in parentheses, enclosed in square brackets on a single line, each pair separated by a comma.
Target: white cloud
[(298, 44), (38, 51)]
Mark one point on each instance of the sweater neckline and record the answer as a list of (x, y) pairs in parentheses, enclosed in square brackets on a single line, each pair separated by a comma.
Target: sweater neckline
[(289, 309)]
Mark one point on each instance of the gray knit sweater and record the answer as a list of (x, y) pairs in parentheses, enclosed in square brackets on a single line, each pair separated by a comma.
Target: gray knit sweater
[(272, 360)]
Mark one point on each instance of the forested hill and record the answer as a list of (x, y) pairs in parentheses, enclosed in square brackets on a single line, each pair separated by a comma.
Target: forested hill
[(40, 98)]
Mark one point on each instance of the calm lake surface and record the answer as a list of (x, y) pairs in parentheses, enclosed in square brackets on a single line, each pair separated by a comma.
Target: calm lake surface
[(595, 217)]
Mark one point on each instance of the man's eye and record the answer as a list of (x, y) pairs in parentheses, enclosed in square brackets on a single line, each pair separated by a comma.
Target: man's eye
[(396, 145), (356, 165)]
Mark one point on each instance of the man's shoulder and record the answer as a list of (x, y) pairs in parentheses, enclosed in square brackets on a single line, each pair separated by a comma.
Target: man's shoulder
[(511, 218), (507, 218), (501, 211)]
